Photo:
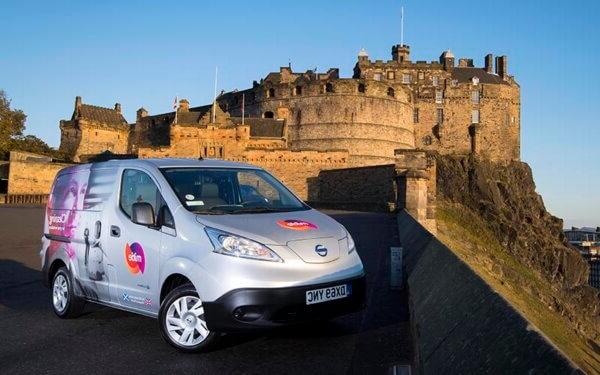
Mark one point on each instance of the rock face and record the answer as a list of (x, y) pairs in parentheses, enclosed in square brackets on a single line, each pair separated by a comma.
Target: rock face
[(504, 196)]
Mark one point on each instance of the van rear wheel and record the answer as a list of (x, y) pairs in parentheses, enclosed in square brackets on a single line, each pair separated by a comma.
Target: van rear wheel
[(64, 302), (182, 321)]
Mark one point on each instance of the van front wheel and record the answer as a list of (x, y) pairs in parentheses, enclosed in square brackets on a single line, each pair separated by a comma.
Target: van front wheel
[(182, 321)]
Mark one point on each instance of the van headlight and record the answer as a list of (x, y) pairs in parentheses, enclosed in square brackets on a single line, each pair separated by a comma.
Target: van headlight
[(351, 244), (237, 246)]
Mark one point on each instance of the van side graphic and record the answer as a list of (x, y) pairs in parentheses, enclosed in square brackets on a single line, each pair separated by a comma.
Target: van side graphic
[(135, 258)]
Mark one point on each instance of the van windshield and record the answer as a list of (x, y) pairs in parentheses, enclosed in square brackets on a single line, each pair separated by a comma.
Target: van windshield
[(230, 191)]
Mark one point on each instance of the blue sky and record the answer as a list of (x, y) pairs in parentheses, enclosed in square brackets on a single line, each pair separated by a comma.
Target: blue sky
[(143, 53)]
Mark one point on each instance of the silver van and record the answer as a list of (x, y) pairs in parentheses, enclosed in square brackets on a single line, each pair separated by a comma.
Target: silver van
[(205, 246)]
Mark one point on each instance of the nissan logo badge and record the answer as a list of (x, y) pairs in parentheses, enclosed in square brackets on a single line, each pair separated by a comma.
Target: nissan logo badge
[(321, 250)]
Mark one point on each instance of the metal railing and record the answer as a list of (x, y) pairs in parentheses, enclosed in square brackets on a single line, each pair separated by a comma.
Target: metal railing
[(24, 199)]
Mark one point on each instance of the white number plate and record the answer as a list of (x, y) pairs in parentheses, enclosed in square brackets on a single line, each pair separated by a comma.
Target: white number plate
[(328, 294)]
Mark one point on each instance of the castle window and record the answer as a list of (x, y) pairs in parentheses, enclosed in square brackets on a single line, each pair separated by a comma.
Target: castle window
[(439, 96), (391, 75), (440, 115), (416, 115), (475, 97), (421, 75), (96, 133), (475, 81), (377, 76), (271, 93), (299, 116), (268, 114), (361, 88), (406, 78), (329, 87), (427, 140), (298, 90), (391, 92), (475, 116), (435, 80)]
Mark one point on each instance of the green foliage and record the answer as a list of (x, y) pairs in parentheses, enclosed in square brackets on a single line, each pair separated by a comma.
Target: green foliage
[(12, 126), (12, 122)]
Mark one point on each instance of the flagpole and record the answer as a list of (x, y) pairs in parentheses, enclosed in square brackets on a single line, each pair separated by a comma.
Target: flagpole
[(175, 107), (215, 97), (402, 27), (243, 105)]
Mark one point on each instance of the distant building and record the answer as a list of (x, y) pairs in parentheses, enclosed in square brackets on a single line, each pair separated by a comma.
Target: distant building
[(587, 241)]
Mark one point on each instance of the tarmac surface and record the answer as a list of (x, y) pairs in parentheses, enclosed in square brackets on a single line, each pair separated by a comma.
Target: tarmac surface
[(105, 340)]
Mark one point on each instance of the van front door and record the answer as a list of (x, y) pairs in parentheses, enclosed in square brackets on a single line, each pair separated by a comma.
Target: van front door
[(135, 248)]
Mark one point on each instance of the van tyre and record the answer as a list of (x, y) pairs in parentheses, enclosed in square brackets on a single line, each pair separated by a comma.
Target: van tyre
[(65, 303), (182, 321)]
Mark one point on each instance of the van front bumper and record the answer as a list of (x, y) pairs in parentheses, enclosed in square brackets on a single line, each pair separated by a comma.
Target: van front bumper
[(251, 308)]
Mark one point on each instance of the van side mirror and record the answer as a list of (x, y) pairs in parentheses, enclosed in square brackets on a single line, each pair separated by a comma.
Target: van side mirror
[(142, 213)]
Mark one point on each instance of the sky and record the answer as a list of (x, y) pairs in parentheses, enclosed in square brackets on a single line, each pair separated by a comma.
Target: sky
[(144, 53)]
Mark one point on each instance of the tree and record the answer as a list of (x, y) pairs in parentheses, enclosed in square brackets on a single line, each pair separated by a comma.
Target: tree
[(12, 125)]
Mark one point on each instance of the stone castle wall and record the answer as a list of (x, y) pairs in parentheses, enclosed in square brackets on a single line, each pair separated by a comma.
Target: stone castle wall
[(369, 124), (298, 170), (31, 174), (196, 141), (499, 128), (359, 188)]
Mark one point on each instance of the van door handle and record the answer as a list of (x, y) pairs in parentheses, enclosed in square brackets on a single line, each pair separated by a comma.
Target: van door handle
[(115, 231), (98, 229)]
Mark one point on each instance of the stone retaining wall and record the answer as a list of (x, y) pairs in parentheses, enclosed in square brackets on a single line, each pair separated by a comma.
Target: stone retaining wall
[(361, 188), (460, 324)]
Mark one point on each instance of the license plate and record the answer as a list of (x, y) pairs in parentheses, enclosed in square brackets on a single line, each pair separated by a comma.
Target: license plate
[(328, 294)]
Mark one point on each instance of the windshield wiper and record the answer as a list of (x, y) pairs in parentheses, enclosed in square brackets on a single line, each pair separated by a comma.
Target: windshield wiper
[(212, 212), (248, 210)]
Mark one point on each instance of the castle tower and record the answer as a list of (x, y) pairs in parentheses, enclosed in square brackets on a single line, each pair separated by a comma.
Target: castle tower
[(363, 55), (401, 53), (141, 113), (93, 130), (447, 60)]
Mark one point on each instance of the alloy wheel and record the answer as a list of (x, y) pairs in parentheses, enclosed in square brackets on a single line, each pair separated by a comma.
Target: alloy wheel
[(185, 321), (60, 293)]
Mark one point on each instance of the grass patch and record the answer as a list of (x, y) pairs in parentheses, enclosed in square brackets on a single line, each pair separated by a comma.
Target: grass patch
[(466, 234)]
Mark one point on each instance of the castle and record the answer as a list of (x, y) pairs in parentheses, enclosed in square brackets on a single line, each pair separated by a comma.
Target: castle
[(300, 125), (385, 106)]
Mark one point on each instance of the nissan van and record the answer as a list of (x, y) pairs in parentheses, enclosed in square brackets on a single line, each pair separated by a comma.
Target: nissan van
[(205, 246)]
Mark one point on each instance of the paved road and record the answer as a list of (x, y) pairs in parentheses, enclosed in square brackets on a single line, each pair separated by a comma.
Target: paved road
[(104, 340)]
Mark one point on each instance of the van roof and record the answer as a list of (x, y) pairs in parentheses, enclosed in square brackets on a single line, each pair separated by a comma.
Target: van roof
[(161, 163), (206, 163)]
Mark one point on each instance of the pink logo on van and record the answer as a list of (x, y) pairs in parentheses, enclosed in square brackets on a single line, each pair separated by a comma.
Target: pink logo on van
[(296, 225), (135, 258)]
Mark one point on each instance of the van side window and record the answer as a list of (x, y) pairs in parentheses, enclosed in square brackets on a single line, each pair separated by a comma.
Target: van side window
[(137, 186)]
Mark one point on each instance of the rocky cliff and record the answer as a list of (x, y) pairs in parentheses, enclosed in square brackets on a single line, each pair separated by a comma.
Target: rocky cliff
[(501, 199)]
